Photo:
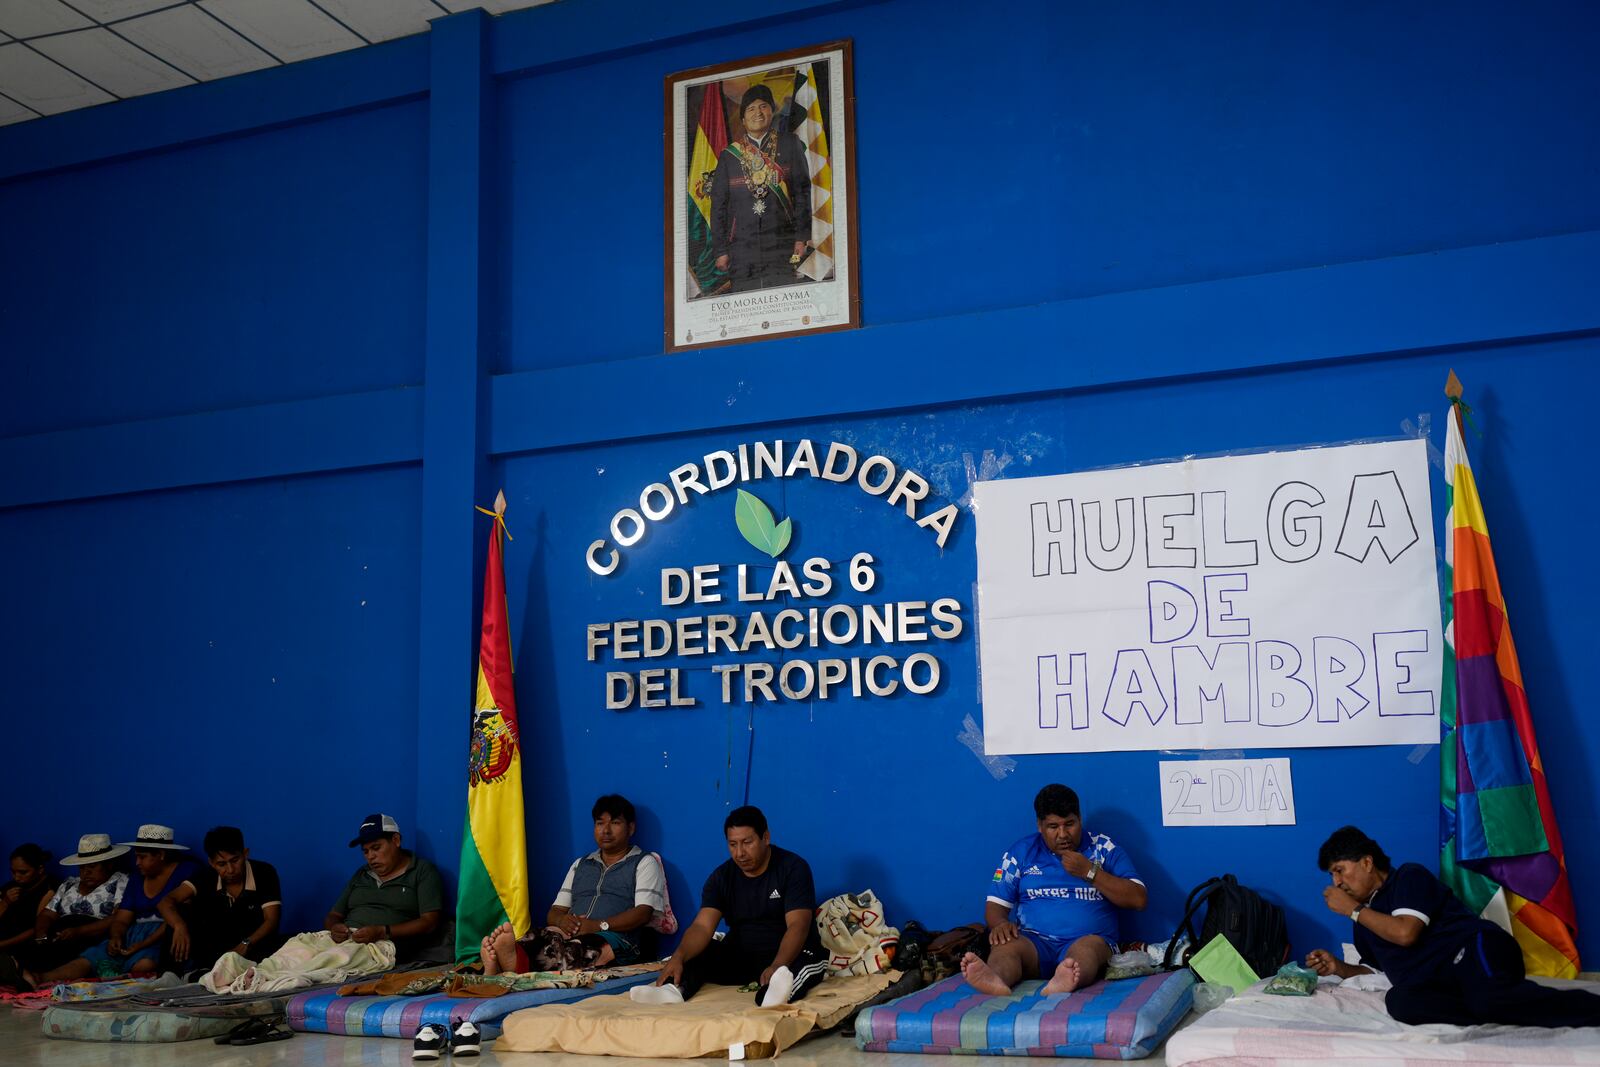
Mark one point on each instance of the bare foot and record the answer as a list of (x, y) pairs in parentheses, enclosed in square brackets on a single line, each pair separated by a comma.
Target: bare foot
[(980, 977), (494, 960), (503, 939), (1065, 979), (491, 965)]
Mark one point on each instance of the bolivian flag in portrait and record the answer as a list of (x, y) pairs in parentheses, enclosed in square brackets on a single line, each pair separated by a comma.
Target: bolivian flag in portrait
[(710, 138), (494, 849)]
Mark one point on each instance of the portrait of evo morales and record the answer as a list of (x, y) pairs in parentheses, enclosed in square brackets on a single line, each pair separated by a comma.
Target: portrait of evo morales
[(759, 181)]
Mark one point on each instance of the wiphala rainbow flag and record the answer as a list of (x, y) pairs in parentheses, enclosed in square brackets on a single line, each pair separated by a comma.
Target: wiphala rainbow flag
[(1501, 851)]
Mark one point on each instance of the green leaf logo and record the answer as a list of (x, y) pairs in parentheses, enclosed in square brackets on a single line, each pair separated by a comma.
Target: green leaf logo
[(754, 520)]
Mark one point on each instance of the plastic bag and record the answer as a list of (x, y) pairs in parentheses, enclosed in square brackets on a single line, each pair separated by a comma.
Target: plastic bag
[(1208, 995), (1293, 980), (1134, 964), (1158, 951)]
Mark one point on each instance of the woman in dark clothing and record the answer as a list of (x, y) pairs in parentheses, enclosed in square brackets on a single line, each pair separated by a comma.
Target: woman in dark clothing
[(21, 898)]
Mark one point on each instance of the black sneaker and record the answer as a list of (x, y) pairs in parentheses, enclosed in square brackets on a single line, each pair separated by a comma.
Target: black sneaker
[(430, 1042), (464, 1038)]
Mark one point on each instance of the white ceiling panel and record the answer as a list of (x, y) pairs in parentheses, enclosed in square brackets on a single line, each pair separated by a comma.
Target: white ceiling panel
[(109, 10), (31, 79), (29, 18), (11, 111), (195, 43), (57, 55), (289, 29), (383, 20), (111, 62), (494, 7)]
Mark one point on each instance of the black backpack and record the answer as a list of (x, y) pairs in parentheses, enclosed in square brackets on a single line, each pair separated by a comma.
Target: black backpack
[(1255, 926)]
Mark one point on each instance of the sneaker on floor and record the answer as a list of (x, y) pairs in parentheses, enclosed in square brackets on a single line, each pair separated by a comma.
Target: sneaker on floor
[(464, 1039), (656, 994), (430, 1042)]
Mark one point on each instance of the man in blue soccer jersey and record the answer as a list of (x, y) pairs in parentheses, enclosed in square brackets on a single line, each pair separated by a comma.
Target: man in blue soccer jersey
[(1052, 907)]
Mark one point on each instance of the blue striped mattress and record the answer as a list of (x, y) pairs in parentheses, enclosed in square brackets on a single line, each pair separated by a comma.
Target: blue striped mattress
[(1122, 1020), (328, 1013)]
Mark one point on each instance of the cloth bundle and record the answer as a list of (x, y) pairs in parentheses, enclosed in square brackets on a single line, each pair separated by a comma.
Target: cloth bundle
[(854, 933), (305, 959)]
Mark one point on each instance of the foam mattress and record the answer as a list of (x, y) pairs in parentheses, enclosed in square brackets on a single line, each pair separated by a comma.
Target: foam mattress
[(1124, 1020), (328, 1013), (1347, 1024)]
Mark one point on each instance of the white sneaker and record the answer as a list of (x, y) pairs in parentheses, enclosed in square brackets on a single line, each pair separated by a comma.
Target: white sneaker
[(779, 988), (465, 1039), (429, 1043), (656, 994)]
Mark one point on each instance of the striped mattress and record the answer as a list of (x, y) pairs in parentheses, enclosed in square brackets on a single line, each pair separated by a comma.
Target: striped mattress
[(1122, 1020), (328, 1013)]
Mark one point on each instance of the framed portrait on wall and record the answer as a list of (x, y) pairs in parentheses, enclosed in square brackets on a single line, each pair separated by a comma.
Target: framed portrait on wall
[(761, 199)]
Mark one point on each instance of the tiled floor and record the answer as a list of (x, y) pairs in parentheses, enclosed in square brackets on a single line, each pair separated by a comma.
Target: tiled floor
[(23, 1043)]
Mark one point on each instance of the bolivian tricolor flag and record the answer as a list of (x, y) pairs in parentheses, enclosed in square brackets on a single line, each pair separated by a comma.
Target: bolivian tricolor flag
[(710, 138), (494, 849), (1501, 851)]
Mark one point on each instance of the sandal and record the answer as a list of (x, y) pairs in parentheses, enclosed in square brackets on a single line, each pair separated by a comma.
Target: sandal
[(243, 1032), (269, 1032), (11, 974)]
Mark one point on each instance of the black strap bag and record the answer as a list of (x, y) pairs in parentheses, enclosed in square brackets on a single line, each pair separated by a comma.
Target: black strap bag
[(1255, 926)]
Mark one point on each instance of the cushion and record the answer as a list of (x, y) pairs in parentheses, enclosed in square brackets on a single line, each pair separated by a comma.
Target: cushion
[(1122, 1020), (75, 1023), (720, 1021), (328, 1013)]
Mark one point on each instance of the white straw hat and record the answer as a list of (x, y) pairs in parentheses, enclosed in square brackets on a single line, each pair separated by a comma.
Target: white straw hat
[(94, 848), (153, 836)]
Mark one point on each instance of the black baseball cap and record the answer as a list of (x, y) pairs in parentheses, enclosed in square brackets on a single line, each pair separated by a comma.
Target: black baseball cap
[(373, 827)]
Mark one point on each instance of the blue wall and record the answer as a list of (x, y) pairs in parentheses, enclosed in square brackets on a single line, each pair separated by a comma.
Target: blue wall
[(1089, 235)]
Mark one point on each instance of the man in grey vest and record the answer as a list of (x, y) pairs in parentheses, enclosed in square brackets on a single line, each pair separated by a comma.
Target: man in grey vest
[(604, 905)]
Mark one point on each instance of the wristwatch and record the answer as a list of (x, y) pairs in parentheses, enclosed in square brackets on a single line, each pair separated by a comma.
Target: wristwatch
[(604, 925), (1355, 915), (1094, 869)]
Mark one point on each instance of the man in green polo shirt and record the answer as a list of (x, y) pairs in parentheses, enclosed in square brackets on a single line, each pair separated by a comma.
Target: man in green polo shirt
[(396, 896)]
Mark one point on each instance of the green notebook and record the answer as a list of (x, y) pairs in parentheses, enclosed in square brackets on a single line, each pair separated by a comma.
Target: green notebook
[(1220, 964)]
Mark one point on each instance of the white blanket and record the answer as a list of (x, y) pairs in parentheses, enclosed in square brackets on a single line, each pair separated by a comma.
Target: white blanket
[(1345, 1023), (305, 959)]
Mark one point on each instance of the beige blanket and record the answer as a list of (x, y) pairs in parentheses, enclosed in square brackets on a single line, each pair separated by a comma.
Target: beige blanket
[(716, 1021), (305, 959)]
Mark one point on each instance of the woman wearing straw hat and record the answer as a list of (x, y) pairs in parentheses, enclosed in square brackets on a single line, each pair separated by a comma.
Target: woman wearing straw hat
[(137, 929), (78, 913)]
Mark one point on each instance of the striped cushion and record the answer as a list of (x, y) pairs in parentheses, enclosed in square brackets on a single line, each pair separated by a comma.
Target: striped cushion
[(328, 1013), (1121, 1020)]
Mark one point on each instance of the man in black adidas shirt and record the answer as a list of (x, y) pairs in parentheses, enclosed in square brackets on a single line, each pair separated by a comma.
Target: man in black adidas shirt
[(1447, 964), (766, 895)]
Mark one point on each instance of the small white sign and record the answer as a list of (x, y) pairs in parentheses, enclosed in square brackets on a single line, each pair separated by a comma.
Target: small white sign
[(1227, 792)]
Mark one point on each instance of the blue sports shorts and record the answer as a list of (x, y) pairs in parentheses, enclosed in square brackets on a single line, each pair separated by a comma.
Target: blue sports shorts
[(1052, 950)]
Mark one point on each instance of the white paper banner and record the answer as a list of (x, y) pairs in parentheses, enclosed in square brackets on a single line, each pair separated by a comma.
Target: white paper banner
[(1279, 600), (1227, 792)]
